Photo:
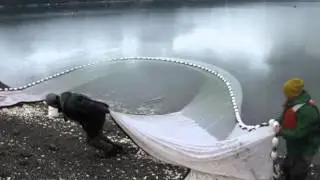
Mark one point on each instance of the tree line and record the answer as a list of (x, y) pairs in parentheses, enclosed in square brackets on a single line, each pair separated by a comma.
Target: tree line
[(21, 3)]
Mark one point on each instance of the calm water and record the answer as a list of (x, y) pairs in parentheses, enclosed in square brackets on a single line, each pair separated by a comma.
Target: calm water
[(260, 44)]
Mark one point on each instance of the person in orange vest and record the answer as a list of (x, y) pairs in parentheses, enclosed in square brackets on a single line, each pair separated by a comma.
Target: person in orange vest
[(300, 127)]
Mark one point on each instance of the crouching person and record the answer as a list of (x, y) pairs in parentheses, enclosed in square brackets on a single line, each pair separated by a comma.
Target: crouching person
[(90, 114), (300, 125)]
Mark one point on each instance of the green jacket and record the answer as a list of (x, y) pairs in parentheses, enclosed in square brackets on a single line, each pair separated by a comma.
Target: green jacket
[(304, 140)]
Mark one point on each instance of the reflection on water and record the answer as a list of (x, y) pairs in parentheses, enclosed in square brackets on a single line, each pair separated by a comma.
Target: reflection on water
[(261, 44), (226, 44)]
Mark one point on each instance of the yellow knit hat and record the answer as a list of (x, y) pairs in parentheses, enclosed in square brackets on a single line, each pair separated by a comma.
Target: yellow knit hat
[(293, 87)]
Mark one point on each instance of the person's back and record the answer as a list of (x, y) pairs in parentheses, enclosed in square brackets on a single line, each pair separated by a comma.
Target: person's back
[(79, 107)]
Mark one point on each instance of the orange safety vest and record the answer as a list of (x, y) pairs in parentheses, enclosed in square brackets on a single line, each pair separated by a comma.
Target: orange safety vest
[(289, 120)]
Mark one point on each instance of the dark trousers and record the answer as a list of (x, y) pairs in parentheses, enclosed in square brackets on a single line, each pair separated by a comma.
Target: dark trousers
[(296, 167), (92, 124)]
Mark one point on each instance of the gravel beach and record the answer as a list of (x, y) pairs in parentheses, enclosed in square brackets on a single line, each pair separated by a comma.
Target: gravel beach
[(33, 146)]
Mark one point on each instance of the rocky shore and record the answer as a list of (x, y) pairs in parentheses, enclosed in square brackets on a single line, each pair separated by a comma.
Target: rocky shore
[(33, 146)]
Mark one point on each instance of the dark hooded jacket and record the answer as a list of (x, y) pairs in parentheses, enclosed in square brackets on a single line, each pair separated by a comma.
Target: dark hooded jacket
[(79, 107)]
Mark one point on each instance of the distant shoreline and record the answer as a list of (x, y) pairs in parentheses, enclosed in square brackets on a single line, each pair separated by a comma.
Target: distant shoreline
[(105, 4), (15, 8)]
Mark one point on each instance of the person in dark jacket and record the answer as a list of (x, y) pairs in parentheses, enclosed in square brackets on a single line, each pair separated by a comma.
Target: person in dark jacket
[(300, 123), (90, 114)]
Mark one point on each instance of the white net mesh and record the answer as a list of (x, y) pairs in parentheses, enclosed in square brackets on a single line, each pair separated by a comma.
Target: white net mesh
[(193, 115)]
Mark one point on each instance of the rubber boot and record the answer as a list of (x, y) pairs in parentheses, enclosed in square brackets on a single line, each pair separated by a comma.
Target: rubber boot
[(118, 148), (98, 143)]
